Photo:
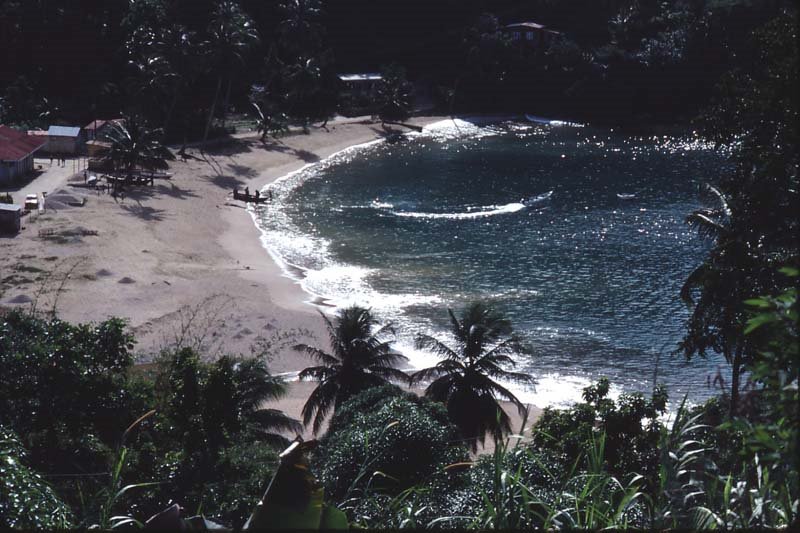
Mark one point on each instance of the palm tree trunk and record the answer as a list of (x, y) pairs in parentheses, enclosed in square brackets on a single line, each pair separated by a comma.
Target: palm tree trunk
[(213, 108), (735, 377), (227, 101), (171, 109)]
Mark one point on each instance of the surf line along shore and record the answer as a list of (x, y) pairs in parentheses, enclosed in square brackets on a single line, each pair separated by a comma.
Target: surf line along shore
[(179, 254), (285, 288)]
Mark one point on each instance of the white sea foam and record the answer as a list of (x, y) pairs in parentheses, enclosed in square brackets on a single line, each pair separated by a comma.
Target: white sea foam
[(550, 390), (472, 127), (307, 258), (485, 211)]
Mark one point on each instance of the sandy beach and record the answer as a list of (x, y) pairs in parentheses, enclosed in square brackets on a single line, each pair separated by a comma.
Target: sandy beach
[(181, 261)]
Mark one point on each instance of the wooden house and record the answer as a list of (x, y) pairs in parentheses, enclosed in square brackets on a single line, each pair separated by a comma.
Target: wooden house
[(96, 129), (358, 92), (64, 140), (531, 34), (16, 153)]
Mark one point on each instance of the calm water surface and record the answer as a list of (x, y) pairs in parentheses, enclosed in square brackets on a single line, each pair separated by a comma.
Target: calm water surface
[(576, 233)]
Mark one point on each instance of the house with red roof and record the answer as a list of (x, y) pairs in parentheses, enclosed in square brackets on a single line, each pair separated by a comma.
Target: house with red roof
[(16, 153), (96, 129)]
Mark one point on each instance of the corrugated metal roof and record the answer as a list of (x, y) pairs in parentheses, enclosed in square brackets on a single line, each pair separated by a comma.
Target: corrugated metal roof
[(64, 131), (15, 145), (10, 207), (366, 76), (95, 124), (527, 26)]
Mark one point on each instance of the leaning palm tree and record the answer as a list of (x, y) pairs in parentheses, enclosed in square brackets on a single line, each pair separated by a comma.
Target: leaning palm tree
[(135, 145), (235, 394), (255, 387), (465, 378), (360, 359), (715, 290)]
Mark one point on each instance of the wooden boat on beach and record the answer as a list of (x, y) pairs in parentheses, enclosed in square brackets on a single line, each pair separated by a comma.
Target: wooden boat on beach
[(250, 198)]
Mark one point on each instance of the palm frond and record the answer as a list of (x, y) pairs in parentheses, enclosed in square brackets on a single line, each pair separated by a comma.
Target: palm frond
[(317, 373), (695, 279), (427, 342), (275, 420), (723, 201), (389, 373), (317, 354), (319, 404), (705, 226)]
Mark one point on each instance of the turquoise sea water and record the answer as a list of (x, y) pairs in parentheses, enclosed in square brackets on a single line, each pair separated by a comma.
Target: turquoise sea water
[(577, 233)]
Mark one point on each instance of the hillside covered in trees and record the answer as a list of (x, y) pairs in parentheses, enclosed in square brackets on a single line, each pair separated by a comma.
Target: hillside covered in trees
[(185, 65), (89, 438)]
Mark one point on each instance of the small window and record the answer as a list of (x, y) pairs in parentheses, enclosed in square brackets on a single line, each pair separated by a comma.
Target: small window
[(516, 36), (529, 35)]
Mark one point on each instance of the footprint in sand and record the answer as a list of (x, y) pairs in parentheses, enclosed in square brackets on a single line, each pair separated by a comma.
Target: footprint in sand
[(126, 280), (20, 299), (103, 273)]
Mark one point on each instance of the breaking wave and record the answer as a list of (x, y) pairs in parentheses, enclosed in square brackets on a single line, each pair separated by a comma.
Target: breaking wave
[(479, 212)]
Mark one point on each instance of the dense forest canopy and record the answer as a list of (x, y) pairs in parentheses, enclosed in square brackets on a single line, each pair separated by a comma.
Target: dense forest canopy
[(74, 61)]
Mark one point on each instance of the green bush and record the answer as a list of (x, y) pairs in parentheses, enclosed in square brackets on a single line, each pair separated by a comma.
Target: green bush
[(244, 470), (630, 425), (406, 438), (67, 393), (26, 501)]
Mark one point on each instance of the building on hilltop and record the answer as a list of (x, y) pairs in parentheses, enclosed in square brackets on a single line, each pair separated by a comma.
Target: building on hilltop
[(358, 92), (531, 34), (16, 153)]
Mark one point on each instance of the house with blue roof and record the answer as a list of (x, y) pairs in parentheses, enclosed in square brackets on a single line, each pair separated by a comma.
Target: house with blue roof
[(64, 140)]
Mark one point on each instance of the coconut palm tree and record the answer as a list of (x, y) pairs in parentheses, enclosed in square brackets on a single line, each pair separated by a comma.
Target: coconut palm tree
[(715, 290), (394, 100), (235, 393), (360, 359), (134, 145), (465, 378), (299, 30), (231, 35)]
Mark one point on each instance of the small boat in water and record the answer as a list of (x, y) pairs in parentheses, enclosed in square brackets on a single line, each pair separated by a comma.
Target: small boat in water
[(626, 196), (256, 198), (549, 122), (534, 200)]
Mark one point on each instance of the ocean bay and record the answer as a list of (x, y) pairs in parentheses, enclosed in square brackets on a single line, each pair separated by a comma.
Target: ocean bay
[(577, 233)]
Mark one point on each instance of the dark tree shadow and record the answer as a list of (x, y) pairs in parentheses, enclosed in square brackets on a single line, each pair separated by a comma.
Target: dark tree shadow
[(277, 146), (241, 170), (141, 192), (227, 182), (174, 191), (144, 212), (305, 155), (229, 146)]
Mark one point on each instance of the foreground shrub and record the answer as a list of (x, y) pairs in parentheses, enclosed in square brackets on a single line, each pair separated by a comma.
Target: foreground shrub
[(26, 501), (630, 424), (385, 439)]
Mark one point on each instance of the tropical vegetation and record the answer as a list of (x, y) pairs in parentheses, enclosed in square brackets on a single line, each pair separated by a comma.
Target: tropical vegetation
[(87, 438), (465, 381), (361, 358)]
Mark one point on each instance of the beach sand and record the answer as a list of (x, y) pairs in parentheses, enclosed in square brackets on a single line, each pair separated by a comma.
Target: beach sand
[(181, 261)]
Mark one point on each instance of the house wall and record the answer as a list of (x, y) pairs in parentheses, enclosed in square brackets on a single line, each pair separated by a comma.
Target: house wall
[(11, 171), (62, 145), (10, 221)]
